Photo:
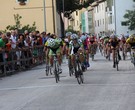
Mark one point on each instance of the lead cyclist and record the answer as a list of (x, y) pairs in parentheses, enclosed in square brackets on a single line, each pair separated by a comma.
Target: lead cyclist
[(54, 46)]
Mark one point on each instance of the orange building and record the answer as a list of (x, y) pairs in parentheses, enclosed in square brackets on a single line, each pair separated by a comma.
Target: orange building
[(43, 12)]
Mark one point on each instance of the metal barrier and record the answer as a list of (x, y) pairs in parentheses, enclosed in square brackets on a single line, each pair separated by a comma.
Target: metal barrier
[(21, 59)]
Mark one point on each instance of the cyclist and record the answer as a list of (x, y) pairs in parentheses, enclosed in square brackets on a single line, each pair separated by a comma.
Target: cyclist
[(107, 47), (114, 42), (131, 40), (92, 44), (76, 46), (85, 41), (123, 46), (54, 46), (66, 43)]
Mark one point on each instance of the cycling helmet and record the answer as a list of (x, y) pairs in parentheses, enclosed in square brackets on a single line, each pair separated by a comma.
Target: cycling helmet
[(74, 36), (68, 34), (83, 37), (51, 42), (113, 36), (132, 36)]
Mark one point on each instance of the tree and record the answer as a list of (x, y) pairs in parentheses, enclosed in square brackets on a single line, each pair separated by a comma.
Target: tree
[(19, 26), (69, 7), (130, 19)]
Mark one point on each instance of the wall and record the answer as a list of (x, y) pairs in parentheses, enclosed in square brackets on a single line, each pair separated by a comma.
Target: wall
[(99, 18), (32, 11)]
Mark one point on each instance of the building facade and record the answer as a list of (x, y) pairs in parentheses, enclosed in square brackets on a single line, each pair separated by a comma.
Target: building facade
[(100, 17), (42, 12)]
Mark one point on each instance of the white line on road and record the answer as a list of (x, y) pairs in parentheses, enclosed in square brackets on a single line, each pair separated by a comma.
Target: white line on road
[(63, 85)]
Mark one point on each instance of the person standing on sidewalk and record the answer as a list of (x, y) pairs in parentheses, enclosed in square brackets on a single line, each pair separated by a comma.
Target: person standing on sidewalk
[(2, 51)]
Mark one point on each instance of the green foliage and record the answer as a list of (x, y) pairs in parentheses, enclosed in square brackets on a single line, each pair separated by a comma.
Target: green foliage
[(29, 28), (70, 29), (130, 16), (130, 19), (71, 6), (19, 26)]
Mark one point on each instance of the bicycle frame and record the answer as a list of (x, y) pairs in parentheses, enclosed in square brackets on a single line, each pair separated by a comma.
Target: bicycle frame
[(56, 68), (78, 70), (116, 59), (70, 66)]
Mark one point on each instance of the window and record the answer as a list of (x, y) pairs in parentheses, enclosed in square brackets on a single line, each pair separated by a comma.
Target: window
[(110, 19), (102, 6), (103, 21), (77, 22), (22, 1), (76, 13), (98, 22), (97, 9)]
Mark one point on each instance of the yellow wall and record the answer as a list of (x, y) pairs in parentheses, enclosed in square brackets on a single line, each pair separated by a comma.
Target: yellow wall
[(32, 11)]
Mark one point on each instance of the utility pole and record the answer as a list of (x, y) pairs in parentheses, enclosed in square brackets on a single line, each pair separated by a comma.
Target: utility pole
[(63, 16), (53, 16), (115, 16), (44, 15)]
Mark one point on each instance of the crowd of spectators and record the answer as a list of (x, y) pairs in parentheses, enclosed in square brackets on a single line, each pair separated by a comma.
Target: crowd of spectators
[(22, 43)]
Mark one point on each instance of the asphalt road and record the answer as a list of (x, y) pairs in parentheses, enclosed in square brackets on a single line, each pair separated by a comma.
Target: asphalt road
[(104, 88)]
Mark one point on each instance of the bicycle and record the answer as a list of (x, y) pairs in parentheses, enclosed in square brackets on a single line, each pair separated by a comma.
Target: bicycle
[(133, 56), (48, 70), (92, 51), (116, 59), (78, 70), (71, 69), (56, 68)]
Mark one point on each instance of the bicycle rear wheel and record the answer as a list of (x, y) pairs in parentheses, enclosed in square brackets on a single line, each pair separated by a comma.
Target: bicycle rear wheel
[(124, 56), (70, 68), (47, 70), (80, 78), (133, 60), (117, 62)]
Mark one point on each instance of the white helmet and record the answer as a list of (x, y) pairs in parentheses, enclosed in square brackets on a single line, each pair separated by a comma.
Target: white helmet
[(68, 34), (83, 37), (74, 36), (113, 36)]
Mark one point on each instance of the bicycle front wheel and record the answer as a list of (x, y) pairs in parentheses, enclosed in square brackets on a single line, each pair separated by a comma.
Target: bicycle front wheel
[(47, 70), (57, 78)]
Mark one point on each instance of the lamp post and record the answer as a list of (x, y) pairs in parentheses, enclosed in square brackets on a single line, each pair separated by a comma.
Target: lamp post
[(53, 16), (63, 16), (115, 16), (44, 15)]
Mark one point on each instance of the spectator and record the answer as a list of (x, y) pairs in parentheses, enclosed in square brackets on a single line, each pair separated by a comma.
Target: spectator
[(14, 39), (2, 53)]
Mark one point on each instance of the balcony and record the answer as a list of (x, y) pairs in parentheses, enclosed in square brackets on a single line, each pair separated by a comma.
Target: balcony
[(90, 8), (94, 4)]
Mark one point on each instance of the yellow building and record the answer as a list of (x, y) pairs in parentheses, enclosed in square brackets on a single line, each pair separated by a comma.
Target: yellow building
[(43, 12)]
